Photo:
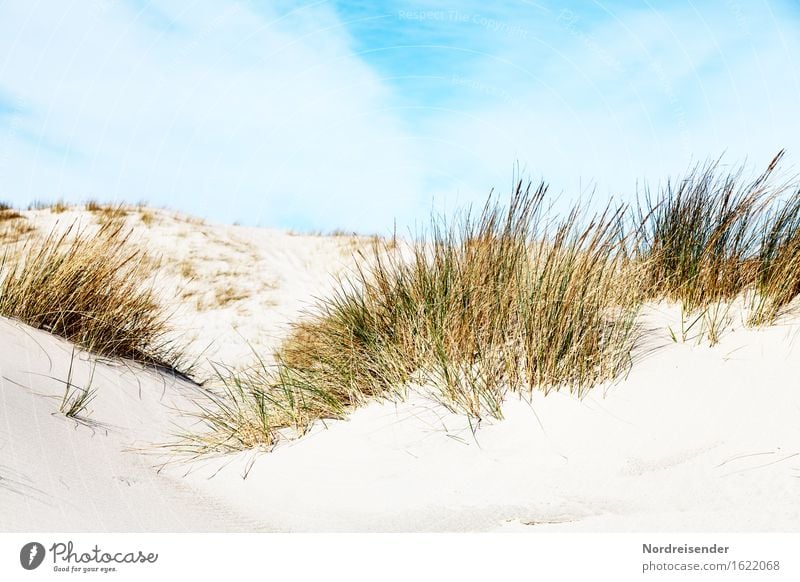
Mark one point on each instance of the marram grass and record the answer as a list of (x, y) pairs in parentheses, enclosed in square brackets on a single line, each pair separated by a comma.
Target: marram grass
[(711, 237), (90, 288), (505, 301), (514, 300), (509, 300)]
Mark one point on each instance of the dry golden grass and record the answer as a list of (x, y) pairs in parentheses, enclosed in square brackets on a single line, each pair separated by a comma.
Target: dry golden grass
[(93, 206), (110, 215), (776, 267), (697, 236), (8, 212), (13, 225), (710, 238), (229, 294), (147, 217), (91, 289), (237, 415), (475, 309), (187, 269), (515, 300), (482, 307), (13, 231), (338, 232), (58, 207)]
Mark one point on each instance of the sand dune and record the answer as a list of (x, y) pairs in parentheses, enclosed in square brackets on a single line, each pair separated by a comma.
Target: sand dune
[(696, 438)]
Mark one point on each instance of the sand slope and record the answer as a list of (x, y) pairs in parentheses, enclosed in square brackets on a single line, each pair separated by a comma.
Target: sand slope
[(227, 287), (57, 474), (696, 438)]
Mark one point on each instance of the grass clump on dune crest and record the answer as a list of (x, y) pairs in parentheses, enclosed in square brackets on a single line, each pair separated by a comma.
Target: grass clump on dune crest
[(505, 301), (8, 212), (777, 273), (89, 287), (711, 238), (698, 238), (513, 300), (13, 225)]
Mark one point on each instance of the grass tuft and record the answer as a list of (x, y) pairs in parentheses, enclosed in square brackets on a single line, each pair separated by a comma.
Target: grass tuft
[(777, 276), (76, 398), (8, 212), (13, 224), (58, 207), (89, 287), (236, 413), (711, 237), (515, 300), (504, 301)]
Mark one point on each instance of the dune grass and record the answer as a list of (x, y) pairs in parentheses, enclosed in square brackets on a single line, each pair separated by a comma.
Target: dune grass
[(712, 237), (89, 287), (76, 398), (8, 212), (514, 300), (509, 300), (777, 273), (238, 411), (13, 224), (697, 239), (505, 301)]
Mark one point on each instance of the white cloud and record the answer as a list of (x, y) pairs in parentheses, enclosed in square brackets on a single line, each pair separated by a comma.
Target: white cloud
[(239, 112), (642, 95), (220, 110)]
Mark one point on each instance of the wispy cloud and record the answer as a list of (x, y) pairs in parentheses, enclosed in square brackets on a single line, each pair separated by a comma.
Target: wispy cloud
[(600, 96), (351, 113), (223, 109)]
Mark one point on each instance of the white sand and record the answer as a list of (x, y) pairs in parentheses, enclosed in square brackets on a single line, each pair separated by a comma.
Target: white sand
[(696, 438)]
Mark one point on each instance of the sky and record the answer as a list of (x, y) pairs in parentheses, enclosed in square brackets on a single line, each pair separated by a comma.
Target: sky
[(358, 115)]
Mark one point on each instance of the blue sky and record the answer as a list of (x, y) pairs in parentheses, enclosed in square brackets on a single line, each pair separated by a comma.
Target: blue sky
[(360, 115)]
